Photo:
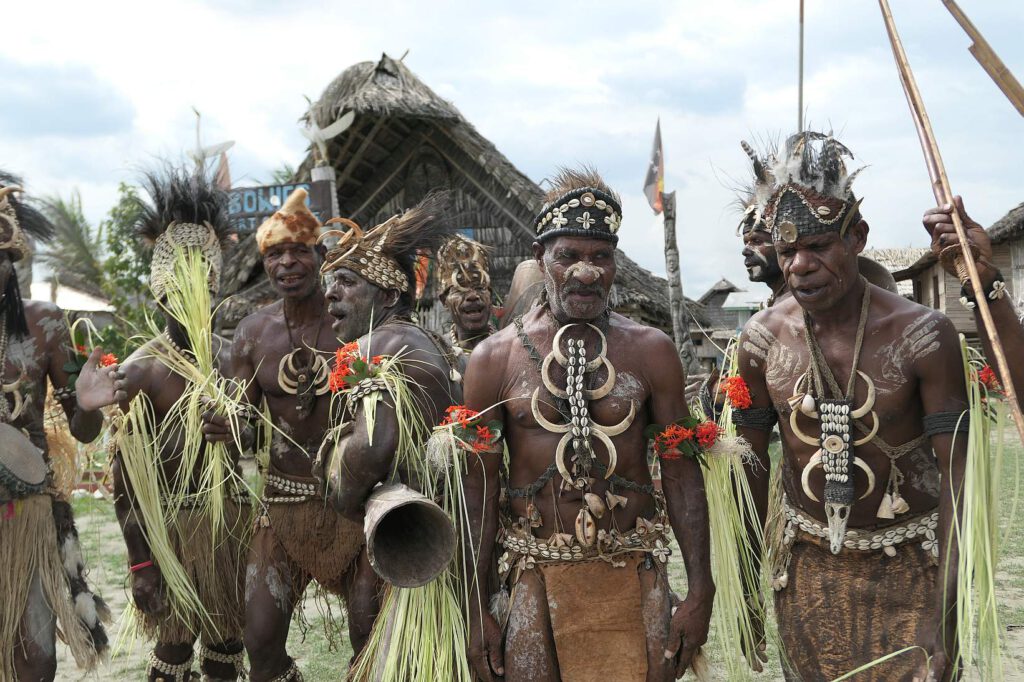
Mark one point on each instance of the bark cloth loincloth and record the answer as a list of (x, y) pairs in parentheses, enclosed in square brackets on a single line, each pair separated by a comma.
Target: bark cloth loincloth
[(609, 613), (217, 571), (319, 542), (839, 612)]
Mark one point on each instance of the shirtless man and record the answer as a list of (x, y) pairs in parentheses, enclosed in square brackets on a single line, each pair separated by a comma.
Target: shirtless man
[(187, 213), (1005, 315), (592, 498), (281, 353), (464, 287), (759, 257), (37, 533), (857, 575)]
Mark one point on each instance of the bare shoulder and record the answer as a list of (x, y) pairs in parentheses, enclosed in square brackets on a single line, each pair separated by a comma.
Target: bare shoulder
[(259, 318), (46, 317), (497, 345)]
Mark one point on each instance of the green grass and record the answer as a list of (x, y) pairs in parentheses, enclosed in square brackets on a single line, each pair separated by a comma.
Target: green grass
[(105, 555)]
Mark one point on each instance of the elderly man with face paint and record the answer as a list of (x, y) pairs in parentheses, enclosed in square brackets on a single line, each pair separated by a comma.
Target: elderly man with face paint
[(42, 578), (281, 352), (574, 386), (868, 391)]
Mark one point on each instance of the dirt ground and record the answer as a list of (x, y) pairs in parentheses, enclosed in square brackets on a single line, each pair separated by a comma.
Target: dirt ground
[(319, 661)]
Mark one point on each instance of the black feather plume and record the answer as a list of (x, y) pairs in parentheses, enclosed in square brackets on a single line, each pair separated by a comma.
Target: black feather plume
[(178, 195), (30, 219)]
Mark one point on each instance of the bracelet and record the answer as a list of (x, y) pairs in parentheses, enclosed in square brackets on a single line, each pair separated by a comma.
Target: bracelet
[(994, 291), (138, 567)]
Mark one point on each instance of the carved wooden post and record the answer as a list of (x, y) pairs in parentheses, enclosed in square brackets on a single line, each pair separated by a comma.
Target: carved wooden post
[(677, 303)]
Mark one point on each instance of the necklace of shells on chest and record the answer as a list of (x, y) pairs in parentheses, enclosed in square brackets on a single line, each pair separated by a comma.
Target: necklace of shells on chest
[(574, 455), (305, 378)]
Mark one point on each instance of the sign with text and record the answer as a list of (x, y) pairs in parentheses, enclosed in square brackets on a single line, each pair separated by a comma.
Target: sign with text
[(248, 207)]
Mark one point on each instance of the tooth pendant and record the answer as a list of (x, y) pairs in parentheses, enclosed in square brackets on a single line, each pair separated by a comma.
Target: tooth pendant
[(586, 529)]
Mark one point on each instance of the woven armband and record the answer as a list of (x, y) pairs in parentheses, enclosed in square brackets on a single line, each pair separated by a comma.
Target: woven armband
[(994, 291), (946, 422), (757, 418)]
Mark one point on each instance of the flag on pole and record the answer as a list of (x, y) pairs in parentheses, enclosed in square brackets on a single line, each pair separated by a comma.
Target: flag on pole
[(654, 183)]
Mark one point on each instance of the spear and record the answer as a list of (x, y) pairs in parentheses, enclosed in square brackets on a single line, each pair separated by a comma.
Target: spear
[(944, 195)]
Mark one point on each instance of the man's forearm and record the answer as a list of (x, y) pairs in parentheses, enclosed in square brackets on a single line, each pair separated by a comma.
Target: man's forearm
[(1011, 334), (481, 490), (131, 527), (688, 514)]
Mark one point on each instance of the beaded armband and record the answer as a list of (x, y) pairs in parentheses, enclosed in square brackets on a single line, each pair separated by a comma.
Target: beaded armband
[(180, 671), (62, 394), (994, 291), (946, 422), (365, 387), (757, 418)]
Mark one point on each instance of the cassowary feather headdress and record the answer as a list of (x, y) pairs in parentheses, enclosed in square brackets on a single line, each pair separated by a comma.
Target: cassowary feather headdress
[(813, 191), (185, 210)]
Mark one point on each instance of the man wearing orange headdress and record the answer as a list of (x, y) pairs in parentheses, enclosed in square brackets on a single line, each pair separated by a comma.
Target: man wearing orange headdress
[(281, 353)]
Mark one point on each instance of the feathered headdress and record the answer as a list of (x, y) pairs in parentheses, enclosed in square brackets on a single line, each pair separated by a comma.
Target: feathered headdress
[(185, 210), (580, 204), (753, 199), (18, 218), (384, 255), (462, 263), (813, 192)]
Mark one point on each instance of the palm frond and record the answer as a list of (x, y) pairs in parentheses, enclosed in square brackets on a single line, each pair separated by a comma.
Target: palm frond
[(75, 254)]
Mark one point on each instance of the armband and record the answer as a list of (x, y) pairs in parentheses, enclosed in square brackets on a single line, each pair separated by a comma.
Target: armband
[(757, 418), (946, 422)]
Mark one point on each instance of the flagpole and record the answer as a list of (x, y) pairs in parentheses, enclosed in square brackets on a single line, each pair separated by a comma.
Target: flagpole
[(800, 78)]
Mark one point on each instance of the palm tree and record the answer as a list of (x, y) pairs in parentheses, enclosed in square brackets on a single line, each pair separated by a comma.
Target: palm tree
[(75, 255)]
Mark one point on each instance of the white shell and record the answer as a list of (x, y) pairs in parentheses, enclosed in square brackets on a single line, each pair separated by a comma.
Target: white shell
[(807, 404)]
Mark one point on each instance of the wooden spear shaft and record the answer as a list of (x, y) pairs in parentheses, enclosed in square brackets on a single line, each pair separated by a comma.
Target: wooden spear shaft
[(944, 195)]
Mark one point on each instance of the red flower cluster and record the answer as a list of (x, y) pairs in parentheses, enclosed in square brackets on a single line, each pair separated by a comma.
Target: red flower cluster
[(667, 443), (343, 359), (988, 377), (459, 414), (108, 360), (677, 440), (707, 434), (81, 350), (737, 391)]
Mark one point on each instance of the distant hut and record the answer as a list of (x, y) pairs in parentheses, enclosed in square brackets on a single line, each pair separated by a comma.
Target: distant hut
[(405, 141)]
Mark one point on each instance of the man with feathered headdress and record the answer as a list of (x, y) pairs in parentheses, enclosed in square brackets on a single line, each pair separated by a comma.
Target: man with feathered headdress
[(575, 387), (865, 385), (396, 379), (41, 570), (183, 509), (758, 249), (464, 287), (281, 354)]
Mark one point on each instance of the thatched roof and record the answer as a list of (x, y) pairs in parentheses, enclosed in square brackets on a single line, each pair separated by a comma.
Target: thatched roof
[(1010, 226), (404, 141)]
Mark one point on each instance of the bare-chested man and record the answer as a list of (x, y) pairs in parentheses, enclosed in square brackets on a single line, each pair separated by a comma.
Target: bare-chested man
[(187, 214), (575, 386), (464, 287), (39, 552), (370, 285), (867, 503), (759, 257), (281, 352), (1005, 315)]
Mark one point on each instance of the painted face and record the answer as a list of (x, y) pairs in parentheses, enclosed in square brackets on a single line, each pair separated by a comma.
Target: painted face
[(293, 269), (470, 308), (819, 269), (354, 303), (578, 276), (759, 256)]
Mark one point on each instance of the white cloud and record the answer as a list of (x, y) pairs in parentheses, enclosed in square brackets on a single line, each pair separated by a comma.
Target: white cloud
[(548, 83)]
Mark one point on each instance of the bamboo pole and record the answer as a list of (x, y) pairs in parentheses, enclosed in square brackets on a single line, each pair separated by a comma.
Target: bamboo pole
[(988, 58), (677, 302), (800, 78), (944, 195)]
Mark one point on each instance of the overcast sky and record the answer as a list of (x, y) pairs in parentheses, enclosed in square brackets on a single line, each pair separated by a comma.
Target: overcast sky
[(91, 91)]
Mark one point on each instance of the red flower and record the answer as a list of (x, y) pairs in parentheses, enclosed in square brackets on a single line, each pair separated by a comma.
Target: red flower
[(459, 414), (667, 443), (737, 391), (377, 359), (108, 360), (483, 438), (707, 434), (81, 350), (988, 377), (343, 359)]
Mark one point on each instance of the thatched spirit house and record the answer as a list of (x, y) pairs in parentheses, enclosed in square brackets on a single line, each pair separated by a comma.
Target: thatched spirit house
[(936, 288), (404, 142)]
